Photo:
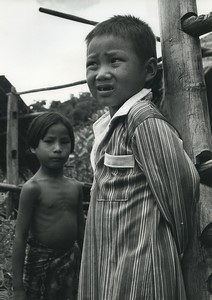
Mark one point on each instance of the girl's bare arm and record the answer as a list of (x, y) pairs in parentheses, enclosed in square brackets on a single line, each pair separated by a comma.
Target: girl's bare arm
[(28, 197)]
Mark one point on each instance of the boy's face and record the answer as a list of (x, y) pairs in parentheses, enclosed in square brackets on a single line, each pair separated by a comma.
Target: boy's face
[(54, 149), (113, 70)]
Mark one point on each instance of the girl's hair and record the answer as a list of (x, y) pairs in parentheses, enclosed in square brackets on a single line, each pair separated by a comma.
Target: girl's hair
[(39, 126), (132, 30)]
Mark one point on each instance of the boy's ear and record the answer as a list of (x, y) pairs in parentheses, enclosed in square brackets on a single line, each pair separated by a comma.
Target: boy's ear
[(151, 68)]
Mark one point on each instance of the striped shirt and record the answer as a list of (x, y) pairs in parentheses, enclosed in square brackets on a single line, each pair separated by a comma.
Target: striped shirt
[(139, 220)]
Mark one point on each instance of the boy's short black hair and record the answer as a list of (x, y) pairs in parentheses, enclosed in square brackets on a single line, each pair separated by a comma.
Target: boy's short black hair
[(131, 29), (39, 126)]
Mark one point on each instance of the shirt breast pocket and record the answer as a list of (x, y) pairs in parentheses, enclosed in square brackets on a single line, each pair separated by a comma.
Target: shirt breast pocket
[(114, 185)]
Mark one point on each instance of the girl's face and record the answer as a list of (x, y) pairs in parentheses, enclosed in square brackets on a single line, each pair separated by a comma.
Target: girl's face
[(114, 71), (54, 149)]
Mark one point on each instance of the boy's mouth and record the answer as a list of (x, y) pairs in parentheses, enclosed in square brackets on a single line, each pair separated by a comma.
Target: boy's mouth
[(105, 88)]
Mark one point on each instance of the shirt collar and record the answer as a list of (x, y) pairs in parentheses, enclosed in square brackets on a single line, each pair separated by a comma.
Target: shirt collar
[(100, 125)]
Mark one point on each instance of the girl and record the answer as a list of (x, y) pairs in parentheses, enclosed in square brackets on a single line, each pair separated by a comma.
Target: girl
[(50, 217)]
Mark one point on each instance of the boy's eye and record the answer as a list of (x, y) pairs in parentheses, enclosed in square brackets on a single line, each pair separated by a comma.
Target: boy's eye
[(115, 61), (91, 64)]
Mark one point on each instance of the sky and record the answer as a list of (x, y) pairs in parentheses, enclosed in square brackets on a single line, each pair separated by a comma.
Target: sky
[(38, 50)]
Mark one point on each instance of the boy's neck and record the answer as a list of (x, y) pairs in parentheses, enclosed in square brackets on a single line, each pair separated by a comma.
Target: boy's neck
[(134, 98)]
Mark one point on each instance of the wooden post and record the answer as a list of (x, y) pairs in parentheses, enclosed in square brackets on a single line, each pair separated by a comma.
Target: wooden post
[(12, 145), (186, 103)]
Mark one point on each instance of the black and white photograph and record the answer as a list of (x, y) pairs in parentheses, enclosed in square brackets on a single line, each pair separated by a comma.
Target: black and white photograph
[(106, 150)]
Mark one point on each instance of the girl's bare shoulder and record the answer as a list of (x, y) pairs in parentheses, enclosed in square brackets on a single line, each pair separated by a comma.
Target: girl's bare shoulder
[(74, 183), (72, 180), (31, 185), (30, 193)]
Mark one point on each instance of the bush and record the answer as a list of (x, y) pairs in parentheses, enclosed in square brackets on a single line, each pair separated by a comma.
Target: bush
[(7, 231)]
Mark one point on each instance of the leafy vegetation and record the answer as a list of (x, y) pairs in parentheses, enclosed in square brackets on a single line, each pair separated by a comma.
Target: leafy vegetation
[(7, 230), (78, 110)]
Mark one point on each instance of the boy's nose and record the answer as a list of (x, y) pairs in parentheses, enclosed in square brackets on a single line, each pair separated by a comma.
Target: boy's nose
[(103, 73)]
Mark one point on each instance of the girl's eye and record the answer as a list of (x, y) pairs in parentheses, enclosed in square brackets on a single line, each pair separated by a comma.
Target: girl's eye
[(47, 141), (65, 142)]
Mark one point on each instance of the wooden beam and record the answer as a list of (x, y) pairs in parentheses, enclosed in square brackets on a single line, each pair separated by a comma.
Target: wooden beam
[(196, 25)]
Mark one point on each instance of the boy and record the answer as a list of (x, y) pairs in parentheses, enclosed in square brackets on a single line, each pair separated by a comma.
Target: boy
[(145, 186), (50, 213)]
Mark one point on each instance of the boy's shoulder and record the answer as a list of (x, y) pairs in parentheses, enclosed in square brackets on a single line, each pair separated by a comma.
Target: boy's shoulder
[(143, 110)]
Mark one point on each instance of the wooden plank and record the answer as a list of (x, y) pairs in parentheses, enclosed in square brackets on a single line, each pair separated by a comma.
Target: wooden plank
[(12, 145)]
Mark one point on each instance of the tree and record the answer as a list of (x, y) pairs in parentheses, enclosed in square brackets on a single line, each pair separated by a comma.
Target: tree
[(38, 106)]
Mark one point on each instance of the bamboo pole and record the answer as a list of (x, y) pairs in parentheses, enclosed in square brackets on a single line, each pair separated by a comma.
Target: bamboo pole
[(67, 16), (72, 17), (56, 87), (186, 101), (184, 78), (6, 187), (22, 116), (206, 52), (12, 145), (196, 25)]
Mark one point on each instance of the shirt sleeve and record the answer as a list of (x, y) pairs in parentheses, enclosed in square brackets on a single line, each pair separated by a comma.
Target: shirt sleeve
[(170, 173)]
